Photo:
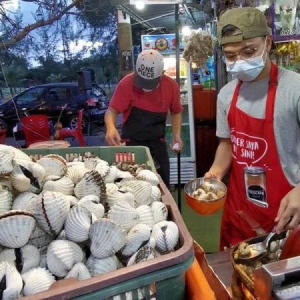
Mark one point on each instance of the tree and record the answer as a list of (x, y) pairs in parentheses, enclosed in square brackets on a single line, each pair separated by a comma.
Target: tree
[(13, 74), (14, 30), (48, 11)]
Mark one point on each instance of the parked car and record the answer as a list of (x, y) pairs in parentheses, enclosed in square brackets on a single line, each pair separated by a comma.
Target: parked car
[(54, 99)]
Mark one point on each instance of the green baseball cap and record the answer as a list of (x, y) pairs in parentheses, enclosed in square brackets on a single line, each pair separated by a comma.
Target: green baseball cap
[(249, 20)]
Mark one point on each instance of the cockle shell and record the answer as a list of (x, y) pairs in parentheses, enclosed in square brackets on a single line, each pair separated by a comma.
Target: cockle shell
[(124, 175), (91, 184), (5, 181), (13, 281), (102, 266), (16, 227), (6, 158), (76, 171), (155, 194), (71, 164), (141, 190), (8, 255), (18, 154), (25, 201), (149, 176), (107, 237), (91, 162), (6, 152), (166, 236), (54, 164), (124, 214), (79, 271), (28, 176), (43, 257), (90, 198), (91, 203), (78, 223), (159, 211), (111, 188), (143, 254), (6, 199), (274, 246), (137, 237), (37, 280), (19, 181), (52, 177), (120, 195), (114, 173), (72, 199), (111, 175), (146, 215), (62, 255), (62, 235), (51, 211), (102, 167), (63, 185), (39, 238), (29, 257)]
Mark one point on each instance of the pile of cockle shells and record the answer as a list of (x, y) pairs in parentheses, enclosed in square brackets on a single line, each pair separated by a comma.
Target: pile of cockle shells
[(207, 192), (79, 218)]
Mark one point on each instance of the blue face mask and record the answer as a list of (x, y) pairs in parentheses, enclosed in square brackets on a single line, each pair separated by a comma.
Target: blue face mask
[(246, 70)]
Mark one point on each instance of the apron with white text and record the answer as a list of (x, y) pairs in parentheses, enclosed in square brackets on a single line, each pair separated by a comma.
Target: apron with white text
[(253, 145)]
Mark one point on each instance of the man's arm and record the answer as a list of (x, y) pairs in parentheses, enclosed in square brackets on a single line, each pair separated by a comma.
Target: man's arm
[(176, 121), (222, 161), (112, 135)]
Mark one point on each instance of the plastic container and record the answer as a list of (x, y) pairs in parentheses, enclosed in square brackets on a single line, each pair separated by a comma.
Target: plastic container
[(166, 274), (141, 153), (205, 207), (204, 103), (201, 280)]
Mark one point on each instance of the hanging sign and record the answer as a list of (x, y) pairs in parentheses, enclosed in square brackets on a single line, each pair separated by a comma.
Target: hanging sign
[(156, 1), (164, 43)]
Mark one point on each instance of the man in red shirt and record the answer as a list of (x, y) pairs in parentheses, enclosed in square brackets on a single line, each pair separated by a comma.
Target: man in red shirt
[(144, 98)]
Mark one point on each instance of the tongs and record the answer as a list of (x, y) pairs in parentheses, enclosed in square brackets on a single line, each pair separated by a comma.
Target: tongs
[(255, 226), (258, 250)]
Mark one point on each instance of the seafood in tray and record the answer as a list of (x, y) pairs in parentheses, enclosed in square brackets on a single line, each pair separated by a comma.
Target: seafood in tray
[(76, 218), (245, 258)]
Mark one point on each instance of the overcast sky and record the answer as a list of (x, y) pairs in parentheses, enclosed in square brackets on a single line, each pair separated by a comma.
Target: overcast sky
[(28, 10)]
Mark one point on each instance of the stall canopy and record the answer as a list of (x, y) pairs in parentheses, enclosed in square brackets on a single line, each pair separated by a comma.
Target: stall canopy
[(160, 18)]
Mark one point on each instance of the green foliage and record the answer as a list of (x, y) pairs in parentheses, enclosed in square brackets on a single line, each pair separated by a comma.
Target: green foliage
[(98, 15), (45, 54)]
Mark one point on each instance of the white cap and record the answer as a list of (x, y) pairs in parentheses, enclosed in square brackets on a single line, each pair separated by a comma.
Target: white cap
[(149, 68)]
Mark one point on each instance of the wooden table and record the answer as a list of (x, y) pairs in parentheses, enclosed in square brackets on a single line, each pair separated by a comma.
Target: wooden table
[(50, 144)]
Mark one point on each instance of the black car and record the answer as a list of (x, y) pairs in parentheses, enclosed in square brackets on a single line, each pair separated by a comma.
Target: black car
[(53, 100)]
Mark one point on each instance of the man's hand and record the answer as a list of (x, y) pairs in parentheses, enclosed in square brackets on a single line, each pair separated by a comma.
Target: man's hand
[(112, 137), (211, 174), (176, 144), (288, 216)]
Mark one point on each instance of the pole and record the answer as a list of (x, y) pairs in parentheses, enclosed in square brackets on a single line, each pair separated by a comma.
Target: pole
[(177, 27), (125, 43)]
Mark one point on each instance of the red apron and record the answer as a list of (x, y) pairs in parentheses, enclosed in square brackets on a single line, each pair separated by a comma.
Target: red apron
[(253, 144)]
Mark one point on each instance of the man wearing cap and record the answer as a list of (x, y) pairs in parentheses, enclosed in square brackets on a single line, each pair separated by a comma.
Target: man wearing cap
[(145, 98), (258, 123)]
